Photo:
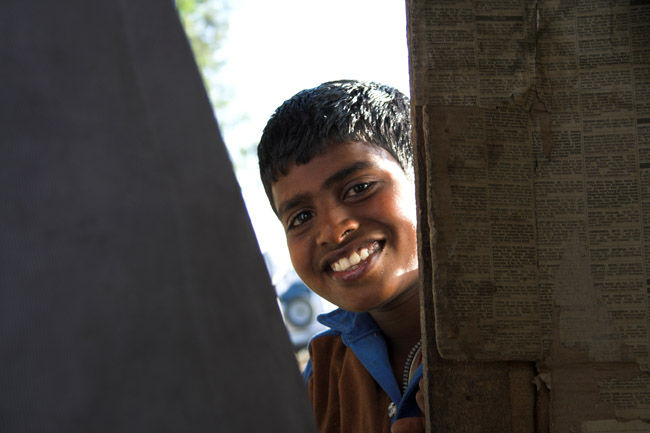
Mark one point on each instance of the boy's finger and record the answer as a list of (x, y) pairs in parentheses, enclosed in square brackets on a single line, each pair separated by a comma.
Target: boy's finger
[(419, 396), (419, 399), (409, 425)]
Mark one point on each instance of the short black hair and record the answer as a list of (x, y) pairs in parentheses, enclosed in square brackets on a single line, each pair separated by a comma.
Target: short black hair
[(332, 113)]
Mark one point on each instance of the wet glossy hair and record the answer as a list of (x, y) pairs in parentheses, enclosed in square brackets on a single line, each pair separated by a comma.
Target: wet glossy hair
[(333, 113)]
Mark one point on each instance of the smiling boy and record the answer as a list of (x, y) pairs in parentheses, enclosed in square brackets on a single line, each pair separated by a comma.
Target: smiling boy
[(336, 163)]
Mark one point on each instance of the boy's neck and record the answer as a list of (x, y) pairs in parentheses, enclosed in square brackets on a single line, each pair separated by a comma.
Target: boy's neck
[(400, 321), (400, 324)]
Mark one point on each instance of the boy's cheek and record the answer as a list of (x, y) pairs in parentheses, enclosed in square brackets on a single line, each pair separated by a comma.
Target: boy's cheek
[(300, 258)]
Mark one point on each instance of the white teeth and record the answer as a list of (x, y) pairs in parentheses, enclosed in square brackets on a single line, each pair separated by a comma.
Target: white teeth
[(355, 258)]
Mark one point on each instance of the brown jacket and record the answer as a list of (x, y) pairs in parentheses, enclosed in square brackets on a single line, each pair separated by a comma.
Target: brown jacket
[(345, 397)]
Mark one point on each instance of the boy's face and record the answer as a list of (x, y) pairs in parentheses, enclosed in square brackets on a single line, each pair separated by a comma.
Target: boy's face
[(350, 220)]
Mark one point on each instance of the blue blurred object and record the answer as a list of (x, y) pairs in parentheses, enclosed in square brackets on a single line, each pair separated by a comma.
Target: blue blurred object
[(300, 307), (297, 305)]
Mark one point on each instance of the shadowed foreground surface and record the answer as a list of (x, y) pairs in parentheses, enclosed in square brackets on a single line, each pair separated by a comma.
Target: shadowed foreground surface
[(134, 297)]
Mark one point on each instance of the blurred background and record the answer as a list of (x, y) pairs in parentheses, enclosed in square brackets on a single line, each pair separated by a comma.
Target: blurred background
[(255, 54)]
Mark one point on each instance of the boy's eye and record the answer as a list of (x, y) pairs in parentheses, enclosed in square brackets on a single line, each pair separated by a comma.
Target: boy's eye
[(359, 189), (299, 219)]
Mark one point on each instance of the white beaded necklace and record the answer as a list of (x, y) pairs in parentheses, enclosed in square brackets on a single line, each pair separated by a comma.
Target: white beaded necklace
[(392, 407), (407, 365)]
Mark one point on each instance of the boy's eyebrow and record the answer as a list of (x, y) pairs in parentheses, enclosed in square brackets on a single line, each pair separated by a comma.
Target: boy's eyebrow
[(291, 203), (334, 178), (345, 172)]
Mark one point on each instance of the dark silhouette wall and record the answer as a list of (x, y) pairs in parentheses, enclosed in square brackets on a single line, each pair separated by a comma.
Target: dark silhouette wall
[(132, 293)]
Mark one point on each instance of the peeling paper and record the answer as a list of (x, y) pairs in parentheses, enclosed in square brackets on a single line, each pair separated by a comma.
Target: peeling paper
[(543, 380)]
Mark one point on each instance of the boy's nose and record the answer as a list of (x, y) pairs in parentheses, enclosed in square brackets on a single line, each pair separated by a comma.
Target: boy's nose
[(335, 226)]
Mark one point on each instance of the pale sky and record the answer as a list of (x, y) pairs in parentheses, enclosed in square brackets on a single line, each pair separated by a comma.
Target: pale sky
[(276, 48)]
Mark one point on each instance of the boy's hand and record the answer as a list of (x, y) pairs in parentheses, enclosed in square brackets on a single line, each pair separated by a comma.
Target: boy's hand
[(413, 424), (409, 425)]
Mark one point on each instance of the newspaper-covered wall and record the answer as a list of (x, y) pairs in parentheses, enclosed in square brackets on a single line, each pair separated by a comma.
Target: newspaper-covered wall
[(534, 123)]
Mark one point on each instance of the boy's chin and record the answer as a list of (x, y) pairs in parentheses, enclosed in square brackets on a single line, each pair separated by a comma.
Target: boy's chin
[(354, 309), (375, 300), (364, 306)]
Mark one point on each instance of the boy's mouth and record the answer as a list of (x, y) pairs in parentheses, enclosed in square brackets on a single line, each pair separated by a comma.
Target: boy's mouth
[(355, 258)]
